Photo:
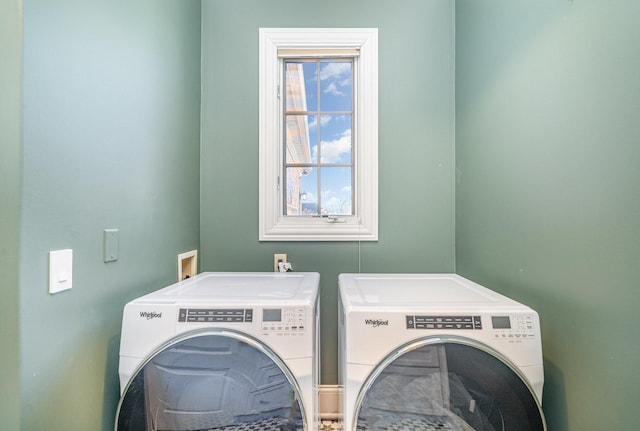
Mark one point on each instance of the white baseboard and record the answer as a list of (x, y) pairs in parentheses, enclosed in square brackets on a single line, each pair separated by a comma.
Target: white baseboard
[(330, 400)]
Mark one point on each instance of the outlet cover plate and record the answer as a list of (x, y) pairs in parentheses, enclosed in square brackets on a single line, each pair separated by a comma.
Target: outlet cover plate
[(277, 258)]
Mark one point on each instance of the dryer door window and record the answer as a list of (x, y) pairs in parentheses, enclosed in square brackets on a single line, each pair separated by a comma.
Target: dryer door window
[(212, 382), (447, 386)]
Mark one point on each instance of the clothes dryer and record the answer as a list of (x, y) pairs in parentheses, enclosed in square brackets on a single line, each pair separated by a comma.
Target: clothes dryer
[(222, 351), (437, 352)]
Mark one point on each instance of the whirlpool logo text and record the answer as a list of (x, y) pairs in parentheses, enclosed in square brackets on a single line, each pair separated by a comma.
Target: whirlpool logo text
[(376, 322), (150, 315)]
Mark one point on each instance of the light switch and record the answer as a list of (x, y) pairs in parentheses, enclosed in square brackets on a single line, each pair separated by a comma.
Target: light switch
[(60, 270), (110, 252)]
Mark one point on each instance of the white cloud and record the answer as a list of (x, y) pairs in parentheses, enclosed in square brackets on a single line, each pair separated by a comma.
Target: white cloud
[(337, 75), (335, 71), (333, 150), (324, 120), (332, 88), (336, 205)]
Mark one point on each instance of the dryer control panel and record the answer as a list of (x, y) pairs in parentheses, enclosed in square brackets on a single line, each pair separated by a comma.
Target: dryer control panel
[(443, 322), (513, 327), (290, 320), (213, 315)]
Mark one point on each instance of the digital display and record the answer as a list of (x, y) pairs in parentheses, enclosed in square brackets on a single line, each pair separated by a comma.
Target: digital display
[(501, 322), (272, 315)]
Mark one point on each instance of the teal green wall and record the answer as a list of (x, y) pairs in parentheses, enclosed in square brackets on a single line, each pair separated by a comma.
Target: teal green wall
[(10, 192), (546, 206), (416, 143), (547, 201), (111, 110)]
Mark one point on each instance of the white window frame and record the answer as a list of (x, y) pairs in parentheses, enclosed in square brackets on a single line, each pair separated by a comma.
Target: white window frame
[(363, 225)]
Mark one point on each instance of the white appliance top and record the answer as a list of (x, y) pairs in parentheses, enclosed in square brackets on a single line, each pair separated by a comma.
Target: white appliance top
[(240, 288), (423, 291)]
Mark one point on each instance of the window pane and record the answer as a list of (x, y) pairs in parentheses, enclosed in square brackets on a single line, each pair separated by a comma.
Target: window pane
[(336, 84), (301, 191), (336, 140), (301, 86), (336, 195), (311, 85), (299, 138), (313, 136), (317, 136)]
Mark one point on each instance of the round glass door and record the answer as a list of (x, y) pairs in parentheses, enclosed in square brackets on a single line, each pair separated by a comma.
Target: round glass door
[(213, 381), (447, 386)]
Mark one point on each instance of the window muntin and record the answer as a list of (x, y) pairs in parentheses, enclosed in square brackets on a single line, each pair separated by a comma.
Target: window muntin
[(318, 122)]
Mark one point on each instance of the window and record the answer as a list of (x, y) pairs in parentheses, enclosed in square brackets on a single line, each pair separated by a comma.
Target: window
[(318, 132)]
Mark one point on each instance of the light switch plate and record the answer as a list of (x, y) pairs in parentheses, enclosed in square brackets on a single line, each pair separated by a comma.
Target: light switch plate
[(60, 270), (110, 240)]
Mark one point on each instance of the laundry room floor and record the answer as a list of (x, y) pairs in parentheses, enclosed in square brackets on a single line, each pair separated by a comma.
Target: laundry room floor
[(330, 425), (404, 425)]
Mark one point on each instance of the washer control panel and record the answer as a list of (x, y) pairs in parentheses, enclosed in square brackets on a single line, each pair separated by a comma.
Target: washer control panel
[(215, 315), (443, 322), (513, 327), (290, 320)]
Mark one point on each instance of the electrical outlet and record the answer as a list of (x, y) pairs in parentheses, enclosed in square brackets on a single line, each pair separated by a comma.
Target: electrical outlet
[(277, 258)]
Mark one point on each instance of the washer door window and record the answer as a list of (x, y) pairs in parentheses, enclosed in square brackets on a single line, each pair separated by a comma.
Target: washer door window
[(447, 386), (220, 381)]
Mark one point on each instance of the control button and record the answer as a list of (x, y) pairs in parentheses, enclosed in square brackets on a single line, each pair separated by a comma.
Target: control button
[(410, 322)]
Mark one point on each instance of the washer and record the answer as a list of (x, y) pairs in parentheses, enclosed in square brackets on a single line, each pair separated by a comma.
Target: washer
[(437, 352), (222, 351)]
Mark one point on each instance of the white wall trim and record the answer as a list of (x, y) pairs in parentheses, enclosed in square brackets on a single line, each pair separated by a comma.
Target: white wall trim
[(273, 226), (330, 400)]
